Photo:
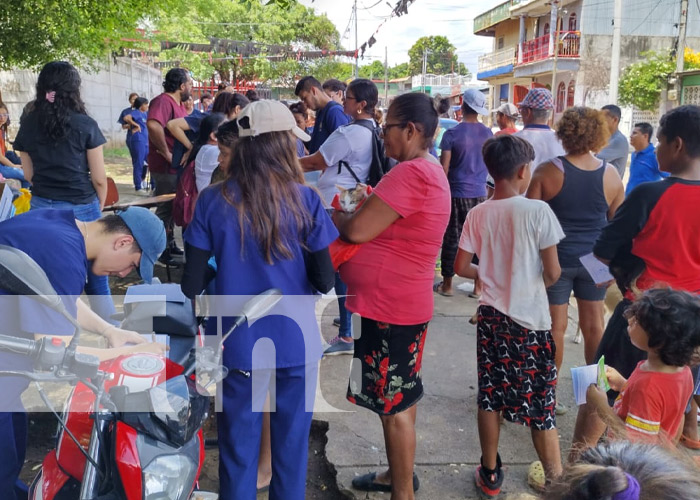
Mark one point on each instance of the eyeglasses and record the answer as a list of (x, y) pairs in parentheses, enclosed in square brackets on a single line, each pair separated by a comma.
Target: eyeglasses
[(4, 115), (387, 126), (349, 98)]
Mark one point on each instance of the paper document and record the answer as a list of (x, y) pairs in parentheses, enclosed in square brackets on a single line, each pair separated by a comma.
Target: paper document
[(7, 209), (598, 271), (584, 376)]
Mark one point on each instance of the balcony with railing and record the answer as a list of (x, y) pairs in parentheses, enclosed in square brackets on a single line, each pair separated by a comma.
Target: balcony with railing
[(497, 63), (568, 46), (485, 21)]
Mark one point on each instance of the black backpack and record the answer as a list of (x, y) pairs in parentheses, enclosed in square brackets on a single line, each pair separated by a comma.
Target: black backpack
[(380, 164)]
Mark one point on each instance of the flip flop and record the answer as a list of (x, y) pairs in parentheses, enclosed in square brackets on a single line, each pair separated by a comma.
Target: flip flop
[(437, 288), (367, 483), (691, 444)]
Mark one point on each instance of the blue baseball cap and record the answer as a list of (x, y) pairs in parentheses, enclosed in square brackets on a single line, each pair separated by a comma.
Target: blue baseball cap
[(149, 233)]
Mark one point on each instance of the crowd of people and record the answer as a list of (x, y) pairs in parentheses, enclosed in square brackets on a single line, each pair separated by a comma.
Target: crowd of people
[(513, 211)]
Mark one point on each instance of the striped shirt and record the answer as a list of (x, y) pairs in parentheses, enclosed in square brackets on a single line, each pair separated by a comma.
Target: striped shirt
[(653, 403)]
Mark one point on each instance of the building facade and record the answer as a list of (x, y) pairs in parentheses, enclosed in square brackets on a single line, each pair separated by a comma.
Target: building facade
[(573, 59)]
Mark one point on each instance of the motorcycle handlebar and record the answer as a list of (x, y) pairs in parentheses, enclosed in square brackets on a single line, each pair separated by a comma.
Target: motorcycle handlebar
[(18, 345)]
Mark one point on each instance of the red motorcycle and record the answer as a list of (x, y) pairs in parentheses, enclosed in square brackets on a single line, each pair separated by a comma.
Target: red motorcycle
[(132, 428)]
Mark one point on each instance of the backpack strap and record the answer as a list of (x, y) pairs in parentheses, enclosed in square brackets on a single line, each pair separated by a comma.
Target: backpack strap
[(345, 164)]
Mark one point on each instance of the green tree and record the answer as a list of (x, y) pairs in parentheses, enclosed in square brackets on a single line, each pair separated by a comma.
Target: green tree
[(38, 31), (641, 83), (441, 57), (399, 71), (245, 20), (373, 71), (86, 31)]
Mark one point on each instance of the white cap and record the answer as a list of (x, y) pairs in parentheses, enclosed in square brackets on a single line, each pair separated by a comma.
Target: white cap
[(265, 116), (507, 109)]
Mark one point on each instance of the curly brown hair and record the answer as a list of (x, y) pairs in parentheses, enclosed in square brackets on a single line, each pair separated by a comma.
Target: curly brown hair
[(582, 130)]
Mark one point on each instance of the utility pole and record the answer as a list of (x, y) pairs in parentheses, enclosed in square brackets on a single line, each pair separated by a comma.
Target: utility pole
[(386, 76), (680, 51), (357, 48), (425, 67), (615, 59), (555, 47)]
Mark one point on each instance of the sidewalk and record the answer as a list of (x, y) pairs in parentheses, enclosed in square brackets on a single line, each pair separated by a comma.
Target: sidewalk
[(447, 450)]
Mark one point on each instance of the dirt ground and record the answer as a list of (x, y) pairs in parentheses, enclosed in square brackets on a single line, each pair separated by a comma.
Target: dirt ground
[(321, 475)]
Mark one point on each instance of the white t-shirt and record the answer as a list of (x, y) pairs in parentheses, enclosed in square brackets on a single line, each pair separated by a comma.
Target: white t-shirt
[(204, 165), (353, 145), (544, 141), (508, 235)]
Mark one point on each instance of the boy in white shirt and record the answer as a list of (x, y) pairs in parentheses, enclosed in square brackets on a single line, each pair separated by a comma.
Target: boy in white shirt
[(515, 240)]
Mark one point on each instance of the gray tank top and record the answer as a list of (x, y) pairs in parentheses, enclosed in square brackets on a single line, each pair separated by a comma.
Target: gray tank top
[(582, 211)]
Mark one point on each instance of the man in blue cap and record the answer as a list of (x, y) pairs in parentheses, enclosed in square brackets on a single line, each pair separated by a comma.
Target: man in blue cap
[(64, 248)]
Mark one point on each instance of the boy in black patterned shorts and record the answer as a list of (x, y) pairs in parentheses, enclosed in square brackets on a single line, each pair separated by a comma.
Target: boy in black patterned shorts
[(515, 240)]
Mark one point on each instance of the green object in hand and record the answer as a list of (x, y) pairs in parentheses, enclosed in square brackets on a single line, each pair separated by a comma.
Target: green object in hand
[(602, 378)]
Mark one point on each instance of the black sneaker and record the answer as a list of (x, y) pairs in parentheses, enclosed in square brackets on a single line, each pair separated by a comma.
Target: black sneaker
[(166, 259), (176, 250), (489, 485)]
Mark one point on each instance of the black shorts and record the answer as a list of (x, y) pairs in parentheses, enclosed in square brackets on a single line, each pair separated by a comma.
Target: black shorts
[(385, 375), (517, 374)]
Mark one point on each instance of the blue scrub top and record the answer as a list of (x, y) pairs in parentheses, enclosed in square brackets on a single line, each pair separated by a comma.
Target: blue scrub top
[(53, 240), (244, 272), (140, 117)]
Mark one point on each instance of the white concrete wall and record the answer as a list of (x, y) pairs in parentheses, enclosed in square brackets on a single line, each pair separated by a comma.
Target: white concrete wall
[(104, 92)]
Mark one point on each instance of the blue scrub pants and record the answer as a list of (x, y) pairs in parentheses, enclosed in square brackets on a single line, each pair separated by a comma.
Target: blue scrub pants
[(13, 436), (240, 427), (97, 287), (139, 151)]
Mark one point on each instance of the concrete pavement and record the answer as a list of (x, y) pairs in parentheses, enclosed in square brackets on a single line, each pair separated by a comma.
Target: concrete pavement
[(447, 450)]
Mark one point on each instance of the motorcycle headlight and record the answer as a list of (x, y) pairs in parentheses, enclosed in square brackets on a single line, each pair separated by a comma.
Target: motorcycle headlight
[(168, 477)]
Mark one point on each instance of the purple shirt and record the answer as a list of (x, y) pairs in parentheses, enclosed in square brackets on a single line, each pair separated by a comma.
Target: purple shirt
[(467, 173)]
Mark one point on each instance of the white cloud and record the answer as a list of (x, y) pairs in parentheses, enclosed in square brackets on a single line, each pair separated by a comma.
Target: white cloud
[(451, 18)]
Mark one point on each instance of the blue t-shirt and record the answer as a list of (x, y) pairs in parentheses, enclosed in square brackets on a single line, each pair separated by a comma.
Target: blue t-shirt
[(329, 118), (644, 168), (292, 329), (65, 263), (140, 117), (467, 173)]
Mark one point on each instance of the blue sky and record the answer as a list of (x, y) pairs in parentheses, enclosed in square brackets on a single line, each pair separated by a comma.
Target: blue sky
[(451, 18)]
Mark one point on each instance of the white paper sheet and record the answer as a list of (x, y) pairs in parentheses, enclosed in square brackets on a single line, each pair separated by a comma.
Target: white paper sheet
[(7, 209), (598, 270), (582, 377)]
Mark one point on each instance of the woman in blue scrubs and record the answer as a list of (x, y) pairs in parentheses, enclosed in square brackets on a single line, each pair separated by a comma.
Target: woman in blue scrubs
[(266, 230)]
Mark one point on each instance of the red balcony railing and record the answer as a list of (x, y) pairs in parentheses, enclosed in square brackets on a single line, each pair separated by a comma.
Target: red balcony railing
[(569, 43)]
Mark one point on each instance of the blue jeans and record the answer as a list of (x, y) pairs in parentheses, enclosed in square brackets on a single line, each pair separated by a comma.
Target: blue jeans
[(345, 315), (14, 173), (97, 287)]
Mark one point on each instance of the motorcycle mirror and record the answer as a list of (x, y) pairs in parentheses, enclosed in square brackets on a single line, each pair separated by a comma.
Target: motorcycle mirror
[(21, 275), (255, 308), (259, 305)]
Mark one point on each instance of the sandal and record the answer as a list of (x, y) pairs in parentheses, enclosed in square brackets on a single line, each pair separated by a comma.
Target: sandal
[(691, 444), (437, 288), (367, 483), (536, 478)]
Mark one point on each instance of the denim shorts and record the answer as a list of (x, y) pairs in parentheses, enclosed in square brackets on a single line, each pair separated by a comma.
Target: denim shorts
[(578, 280)]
